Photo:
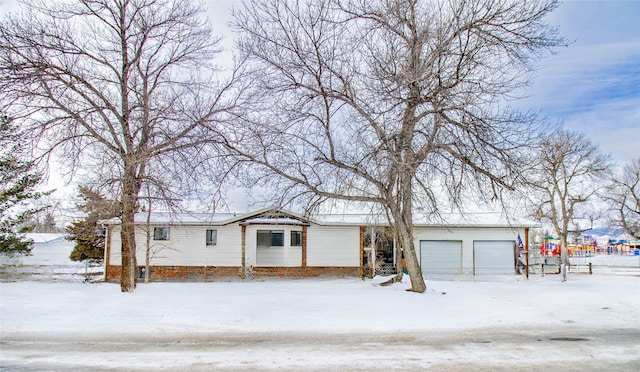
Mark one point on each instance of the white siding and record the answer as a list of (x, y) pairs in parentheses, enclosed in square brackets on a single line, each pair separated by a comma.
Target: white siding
[(279, 256), (333, 246), (186, 247), (115, 246), (467, 235), (286, 256)]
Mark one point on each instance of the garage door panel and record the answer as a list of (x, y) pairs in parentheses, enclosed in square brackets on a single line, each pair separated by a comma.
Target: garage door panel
[(493, 257), (440, 257)]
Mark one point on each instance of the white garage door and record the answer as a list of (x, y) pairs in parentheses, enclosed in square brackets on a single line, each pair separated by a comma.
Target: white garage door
[(439, 257), (493, 257)]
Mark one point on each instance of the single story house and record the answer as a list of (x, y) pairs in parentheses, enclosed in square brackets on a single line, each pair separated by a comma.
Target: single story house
[(275, 242)]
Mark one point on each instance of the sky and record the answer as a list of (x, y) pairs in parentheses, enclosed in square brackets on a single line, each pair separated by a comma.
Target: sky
[(592, 85)]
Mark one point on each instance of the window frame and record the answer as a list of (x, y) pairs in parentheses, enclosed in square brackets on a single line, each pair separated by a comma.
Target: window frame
[(272, 240), (161, 233), (297, 242), (211, 233)]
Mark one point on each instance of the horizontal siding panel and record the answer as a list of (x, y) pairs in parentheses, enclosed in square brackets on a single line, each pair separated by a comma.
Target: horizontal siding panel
[(115, 247), (186, 247), (279, 256), (333, 246)]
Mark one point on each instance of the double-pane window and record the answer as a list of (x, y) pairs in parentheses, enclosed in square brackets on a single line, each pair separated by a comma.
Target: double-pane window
[(270, 238)]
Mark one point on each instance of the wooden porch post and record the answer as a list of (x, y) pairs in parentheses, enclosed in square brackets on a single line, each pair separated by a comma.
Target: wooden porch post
[(242, 247), (304, 246), (362, 252)]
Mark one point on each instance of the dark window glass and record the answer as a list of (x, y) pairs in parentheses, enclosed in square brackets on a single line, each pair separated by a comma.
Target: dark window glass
[(277, 238), (269, 238), (160, 233), (212, 237), (296, 238)]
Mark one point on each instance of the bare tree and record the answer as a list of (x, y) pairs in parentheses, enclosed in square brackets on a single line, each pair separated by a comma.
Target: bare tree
[(568, 173), (400, 105), (116, 86), (624, 198)]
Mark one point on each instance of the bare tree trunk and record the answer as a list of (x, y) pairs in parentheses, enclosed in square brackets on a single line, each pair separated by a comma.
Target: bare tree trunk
[(398, 252), (404, 224), (563, 259), (130, 191), (411, 259)]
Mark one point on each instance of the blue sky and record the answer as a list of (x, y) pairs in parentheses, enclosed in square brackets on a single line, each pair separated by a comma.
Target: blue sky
[(593, 85)]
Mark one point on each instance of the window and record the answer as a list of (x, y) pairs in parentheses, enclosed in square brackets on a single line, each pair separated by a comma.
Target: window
[(296, 238), (160, 233), (212, 237), (270, 238)]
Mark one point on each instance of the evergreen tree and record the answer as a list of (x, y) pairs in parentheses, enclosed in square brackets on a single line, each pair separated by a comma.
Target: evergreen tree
[(87, 233), (18, 180)]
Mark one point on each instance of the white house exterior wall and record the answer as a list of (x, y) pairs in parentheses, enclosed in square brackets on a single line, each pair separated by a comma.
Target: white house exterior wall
[(186, 247), (286, 256), (333, 246), (467, 236)]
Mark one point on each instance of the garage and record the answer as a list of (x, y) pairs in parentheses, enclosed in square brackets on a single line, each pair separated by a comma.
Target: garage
[(441, 257), (492, 257)]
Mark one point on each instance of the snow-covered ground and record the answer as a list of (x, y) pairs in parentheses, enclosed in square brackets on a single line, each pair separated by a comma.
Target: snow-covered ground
[(590, 322), (348, 319), (309, 305)]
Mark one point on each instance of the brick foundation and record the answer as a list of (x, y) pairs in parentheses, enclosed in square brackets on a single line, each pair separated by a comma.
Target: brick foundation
[(306, 272), (188, 273), (212, 273)]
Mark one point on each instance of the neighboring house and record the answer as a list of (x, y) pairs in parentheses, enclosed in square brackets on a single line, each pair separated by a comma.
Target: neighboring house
[(274, 242), (48, 249)]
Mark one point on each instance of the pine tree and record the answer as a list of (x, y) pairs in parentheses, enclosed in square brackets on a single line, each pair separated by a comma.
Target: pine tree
[(87, 233), (18, 180)]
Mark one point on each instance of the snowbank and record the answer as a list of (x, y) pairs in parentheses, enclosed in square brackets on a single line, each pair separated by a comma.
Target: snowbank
[(334, 306)]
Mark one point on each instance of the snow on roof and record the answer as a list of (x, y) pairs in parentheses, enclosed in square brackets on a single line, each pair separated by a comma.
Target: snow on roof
[(273, 221), (166, 218), (45, 237), (489, 219)]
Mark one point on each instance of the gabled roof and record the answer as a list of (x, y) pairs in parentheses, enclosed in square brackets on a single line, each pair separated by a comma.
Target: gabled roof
[(274, 215)]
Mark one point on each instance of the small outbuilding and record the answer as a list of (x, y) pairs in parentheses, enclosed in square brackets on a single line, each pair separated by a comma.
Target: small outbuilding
[(272, 242)]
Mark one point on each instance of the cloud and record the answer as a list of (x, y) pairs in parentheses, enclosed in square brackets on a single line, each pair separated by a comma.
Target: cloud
[(594, 83)]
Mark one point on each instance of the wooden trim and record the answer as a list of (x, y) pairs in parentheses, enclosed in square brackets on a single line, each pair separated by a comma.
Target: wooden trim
[(362, 273), (243, 264), (304, 246)]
